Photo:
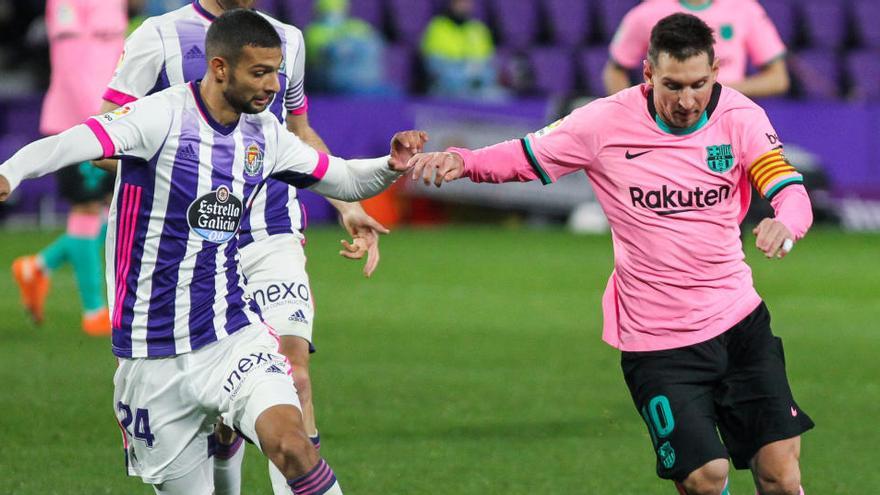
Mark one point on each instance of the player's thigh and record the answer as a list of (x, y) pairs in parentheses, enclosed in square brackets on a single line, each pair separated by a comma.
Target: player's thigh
[(199, 481), (165, 427), (253, 377), (275, 270), (756, 405), (674, 396)]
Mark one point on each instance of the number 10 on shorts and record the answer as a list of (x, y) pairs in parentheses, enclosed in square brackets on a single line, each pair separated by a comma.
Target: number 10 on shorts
[(141, 420), (658, 416)]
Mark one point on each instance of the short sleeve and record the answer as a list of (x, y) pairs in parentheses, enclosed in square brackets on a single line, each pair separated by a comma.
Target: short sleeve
[(139, 66), (630, 43), (763, 43), (294, 96), (137, 129), (297, 164), (768, 169), (565, 146)]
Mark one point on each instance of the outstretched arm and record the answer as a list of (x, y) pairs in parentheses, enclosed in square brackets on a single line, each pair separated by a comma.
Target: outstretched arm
[(47, 155)]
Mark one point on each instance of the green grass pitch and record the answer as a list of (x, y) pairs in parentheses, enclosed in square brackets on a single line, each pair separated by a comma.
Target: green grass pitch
[(472, 364)]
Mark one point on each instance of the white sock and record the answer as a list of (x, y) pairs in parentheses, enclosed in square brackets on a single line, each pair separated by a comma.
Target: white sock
[(279, 482), (227, 468)]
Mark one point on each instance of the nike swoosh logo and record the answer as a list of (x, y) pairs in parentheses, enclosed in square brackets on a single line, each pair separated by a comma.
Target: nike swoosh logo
[(630, 156)]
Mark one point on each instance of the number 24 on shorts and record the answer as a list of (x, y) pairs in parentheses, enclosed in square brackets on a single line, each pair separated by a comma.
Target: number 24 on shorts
[(141, 420)]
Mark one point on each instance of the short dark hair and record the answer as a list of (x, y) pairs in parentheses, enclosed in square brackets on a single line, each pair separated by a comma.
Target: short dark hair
[(682, 36), (238, 28)]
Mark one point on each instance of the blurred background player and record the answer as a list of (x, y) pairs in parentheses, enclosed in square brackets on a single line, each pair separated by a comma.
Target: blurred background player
[(671, 161), (345, 54), (170, 49), (86, 38), (744, 36), (458, 53)]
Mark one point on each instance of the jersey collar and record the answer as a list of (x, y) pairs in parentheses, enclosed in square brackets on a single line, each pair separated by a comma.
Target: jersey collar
[(695, 8), (203, 109), (202, 12), (704, 119)]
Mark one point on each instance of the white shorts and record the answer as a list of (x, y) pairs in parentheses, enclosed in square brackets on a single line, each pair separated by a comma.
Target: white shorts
[(275, 271), (167, 407)]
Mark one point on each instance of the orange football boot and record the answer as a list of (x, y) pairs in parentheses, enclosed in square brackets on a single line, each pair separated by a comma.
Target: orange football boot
[(33, 284), (97, 323)]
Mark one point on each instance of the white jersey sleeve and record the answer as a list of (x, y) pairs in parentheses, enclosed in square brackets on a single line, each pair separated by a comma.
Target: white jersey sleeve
[(295, 96), (49, 154), (137, 129), (348, 180), (139, 66)]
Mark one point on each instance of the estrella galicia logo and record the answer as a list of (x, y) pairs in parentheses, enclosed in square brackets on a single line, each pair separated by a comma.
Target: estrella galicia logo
[(667, 455), (215, 216), (719, 157), (253, 159)]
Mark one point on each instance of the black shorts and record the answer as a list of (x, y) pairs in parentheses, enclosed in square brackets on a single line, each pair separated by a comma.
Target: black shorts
[(733, 385), (84, 183)]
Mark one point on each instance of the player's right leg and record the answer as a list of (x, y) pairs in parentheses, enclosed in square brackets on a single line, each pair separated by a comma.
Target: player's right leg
[(673, 391)]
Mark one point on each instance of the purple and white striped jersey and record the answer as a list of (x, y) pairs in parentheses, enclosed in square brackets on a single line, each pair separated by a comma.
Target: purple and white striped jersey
[(183, 187), (170, 49)]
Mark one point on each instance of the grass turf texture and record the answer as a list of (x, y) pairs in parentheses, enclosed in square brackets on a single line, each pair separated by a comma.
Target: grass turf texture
[(471, 363)]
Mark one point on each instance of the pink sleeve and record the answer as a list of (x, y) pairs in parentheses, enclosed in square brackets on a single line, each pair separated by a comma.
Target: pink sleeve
[(104, 138), (763, 43), (556, 150), (793, 208), (502, 162), (630, 44)]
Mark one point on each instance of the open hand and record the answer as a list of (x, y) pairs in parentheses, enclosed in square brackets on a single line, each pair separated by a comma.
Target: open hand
[(404, 145), (442, 166)]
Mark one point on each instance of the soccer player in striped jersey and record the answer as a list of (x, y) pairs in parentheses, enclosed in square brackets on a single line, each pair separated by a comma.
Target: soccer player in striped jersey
[(671, 162), (191, 347), (170, 49)]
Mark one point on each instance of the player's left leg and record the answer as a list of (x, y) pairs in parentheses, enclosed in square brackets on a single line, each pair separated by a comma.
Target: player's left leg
[(758, 418), (776, 468), (228, 457), (196, 482)]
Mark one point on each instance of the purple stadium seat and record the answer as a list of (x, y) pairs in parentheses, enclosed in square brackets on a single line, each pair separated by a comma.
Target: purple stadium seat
[(569, 21), (298, 12), (782, 15), (481, 11), (409, 19), (399, 60), (818, 73), (516, 22), (271, 7), (864, 74), (591, 61), (370, 11), (866, 14), (552, 70), (825, 22), (611, 13)]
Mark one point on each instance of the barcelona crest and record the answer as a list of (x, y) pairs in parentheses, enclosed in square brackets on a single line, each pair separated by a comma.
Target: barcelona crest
[(719, 157), (253, 159)]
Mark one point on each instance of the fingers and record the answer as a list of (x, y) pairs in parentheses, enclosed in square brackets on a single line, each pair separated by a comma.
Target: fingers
[(773, 238), (435, 168), (372, 223), (355, 250), (372, 259)]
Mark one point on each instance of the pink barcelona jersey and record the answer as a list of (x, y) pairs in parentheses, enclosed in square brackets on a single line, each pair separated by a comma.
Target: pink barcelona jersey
[(86, 38), (743, 34), (674, 199)]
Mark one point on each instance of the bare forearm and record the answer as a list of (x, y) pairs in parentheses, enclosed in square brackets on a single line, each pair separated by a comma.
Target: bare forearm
[(615, 78), (773, 80)]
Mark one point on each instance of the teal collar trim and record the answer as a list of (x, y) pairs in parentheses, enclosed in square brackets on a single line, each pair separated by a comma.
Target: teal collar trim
[(694, 8), (679, 131)]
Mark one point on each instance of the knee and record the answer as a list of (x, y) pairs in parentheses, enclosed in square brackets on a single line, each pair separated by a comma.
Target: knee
[(782, 482), (303, 382), (708, 479)]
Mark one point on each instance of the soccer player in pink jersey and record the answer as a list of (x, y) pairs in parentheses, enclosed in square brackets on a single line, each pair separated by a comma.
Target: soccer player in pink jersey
[(671, 162), (744, 34), (86, 37)]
